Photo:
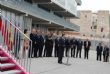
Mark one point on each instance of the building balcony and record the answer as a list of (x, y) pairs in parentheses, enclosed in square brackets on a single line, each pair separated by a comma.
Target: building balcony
[(62, 8)]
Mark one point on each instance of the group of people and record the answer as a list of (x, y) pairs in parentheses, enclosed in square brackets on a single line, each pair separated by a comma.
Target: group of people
[(102, 50), (45, 45)]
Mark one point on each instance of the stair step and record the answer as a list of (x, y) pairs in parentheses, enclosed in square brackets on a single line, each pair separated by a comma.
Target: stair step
[(3, 58), (11, 72), (7, 66)]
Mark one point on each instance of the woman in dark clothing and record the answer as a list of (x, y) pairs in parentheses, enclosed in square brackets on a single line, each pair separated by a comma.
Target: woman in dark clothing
[(49, 45)]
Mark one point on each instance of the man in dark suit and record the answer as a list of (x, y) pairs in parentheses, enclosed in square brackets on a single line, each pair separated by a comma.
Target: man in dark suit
[(56, 47), (99, 51), (41, 46), (87, 45), (33, 38), (36, 44), (40, 43), (79, 48), (61, 48), (67, 46), (106, 54), (73, 43)]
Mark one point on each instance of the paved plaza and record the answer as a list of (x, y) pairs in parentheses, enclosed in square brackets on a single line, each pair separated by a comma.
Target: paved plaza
[(78, 66)]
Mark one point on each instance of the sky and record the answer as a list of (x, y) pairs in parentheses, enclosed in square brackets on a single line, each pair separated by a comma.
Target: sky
[(95, 5)]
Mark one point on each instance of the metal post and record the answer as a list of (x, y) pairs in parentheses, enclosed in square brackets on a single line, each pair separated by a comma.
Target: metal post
[(30, 55), (67, 63), (109, 36)]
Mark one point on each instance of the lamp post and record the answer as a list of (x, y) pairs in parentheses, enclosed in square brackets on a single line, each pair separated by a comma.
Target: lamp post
[(109, 36)]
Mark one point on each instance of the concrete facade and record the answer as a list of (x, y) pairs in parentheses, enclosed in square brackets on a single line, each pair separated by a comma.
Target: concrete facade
[(103, 22), (92, 23)]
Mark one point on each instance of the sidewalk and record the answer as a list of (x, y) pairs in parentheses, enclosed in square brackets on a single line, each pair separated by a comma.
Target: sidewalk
[(78, 66)]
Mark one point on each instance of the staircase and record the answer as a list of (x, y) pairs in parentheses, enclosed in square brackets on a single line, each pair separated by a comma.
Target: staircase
[(11, 43), (8, 65)]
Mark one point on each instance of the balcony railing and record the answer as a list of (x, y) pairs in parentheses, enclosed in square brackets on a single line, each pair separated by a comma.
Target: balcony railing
[(68, 5)]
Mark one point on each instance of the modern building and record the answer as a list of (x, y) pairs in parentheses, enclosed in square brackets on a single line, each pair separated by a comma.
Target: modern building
[(47, 15), (18, 15)]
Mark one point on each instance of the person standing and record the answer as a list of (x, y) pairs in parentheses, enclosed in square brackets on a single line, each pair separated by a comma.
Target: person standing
[(73, 43), (61, 48), (99, 51), (79, 48), (25, 43), (33, 38), (67, 46), (40, 43), (36, 44), (87, 45), (45, 44), (56, 47), (106, 54), (48, 45)]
